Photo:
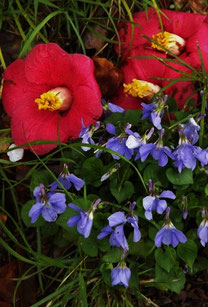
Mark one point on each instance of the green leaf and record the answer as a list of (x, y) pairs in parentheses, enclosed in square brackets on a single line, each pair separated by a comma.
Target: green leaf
[(132, 116), (172, 105), (89, 245), (105, 269), (186, 176), (82, 292), (153, 172), (38, 177), (92, 171), (206, 189), (188, 252), (25, 217), (165, 259), (174, 280), (123, 193), (112, 256)]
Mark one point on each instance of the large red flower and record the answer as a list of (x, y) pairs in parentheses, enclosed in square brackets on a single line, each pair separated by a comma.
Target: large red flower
[(192, 29), (30, 92)]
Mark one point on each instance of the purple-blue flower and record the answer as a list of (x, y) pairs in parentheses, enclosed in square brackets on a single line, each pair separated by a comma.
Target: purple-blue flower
[(203, 229), (201, 155), (118, 143), (108, 106), (159, 152), (169, 235), (154, 111), (191, 131), (67, 179), (83, 220), (154, 202), (121, 275), (135, 141), (184, 157), (117, 235), (203, 232), (114, 108), (87, 133), (49, 205)]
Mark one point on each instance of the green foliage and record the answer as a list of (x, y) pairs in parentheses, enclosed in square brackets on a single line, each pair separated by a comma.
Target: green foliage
[(167, 259), (186, 176), (188, 252)]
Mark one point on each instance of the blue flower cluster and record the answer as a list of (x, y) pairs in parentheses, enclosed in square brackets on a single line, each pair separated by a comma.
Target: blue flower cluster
[(48, 202)]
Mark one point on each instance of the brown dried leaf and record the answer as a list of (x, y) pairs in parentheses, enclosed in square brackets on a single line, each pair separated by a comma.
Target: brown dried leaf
[(199, 6), (107, 75), (92, 41), (3, 218)]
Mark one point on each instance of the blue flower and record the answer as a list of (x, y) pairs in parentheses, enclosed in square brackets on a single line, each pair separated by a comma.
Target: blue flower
[(84, 220), (117, 236), (87, 133), (201, 155), (67, 179), (191, 131), (135, 141), (114, 108), (121, 275), (154, 111), (108, 106), (203, 232), (159, 152), (169, 235), (49, 205), (184, 157), (118, 143), (155, 202)]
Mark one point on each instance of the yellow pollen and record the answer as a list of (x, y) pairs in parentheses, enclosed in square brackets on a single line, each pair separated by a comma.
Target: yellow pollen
[(136, 88), (170, 41), (48, 101), (162, 38)]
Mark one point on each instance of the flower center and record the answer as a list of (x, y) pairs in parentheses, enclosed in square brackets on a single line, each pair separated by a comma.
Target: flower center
[(141, 89), (59, 98), (170, 41)]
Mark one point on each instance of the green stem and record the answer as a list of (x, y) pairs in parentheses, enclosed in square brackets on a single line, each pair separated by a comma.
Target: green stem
[(38, 266), (203, 110)]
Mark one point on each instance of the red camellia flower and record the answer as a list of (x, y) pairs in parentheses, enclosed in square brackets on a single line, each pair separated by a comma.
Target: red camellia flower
[(179, 35), (48, 96)]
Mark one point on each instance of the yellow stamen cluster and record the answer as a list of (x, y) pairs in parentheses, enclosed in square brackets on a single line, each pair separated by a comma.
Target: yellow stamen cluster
[(48, 101), (136, 88), (170, 41), (161, 38)]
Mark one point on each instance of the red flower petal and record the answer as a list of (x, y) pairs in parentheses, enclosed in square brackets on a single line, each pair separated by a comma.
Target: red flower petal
[(141, 69), (126, 102), (181, 90), (37, 74), (144, 68), (17, 90), (148, 25), (181, 23), (200, 38), (49, 64)]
